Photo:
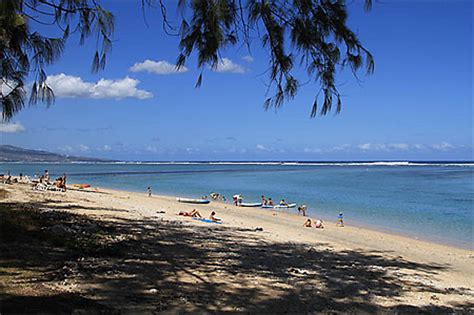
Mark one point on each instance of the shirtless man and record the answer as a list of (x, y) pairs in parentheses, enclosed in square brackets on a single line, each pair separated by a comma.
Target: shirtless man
[(194, 214)]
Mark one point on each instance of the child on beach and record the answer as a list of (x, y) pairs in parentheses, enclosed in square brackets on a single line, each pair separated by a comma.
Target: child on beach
[(264, 200), (213, 218), (340, 221), (307, 223), (270, 202), (149, 191)]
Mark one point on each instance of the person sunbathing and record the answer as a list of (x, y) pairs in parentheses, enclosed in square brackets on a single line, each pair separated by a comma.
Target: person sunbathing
[(213, 218), (194, 214), (319, 224), (307, 223)]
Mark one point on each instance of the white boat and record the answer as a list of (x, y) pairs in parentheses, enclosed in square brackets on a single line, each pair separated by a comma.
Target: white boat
[(267, 207), (191, 200), (250, 204), (290, 205)]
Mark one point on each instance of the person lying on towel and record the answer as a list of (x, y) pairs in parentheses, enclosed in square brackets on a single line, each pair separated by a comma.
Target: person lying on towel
[(194, 213)]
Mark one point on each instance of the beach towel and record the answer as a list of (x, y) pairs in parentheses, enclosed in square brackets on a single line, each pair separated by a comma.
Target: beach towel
[(207, 220)]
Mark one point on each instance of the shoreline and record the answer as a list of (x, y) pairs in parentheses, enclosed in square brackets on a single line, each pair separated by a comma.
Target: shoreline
[(357, 224), (272, 260), (390, 210), (361, 227)]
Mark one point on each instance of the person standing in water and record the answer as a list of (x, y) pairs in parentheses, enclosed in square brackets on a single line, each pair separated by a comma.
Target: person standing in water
[(149, 191)]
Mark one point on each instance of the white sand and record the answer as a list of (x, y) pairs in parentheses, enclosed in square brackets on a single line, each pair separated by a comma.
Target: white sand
[(353, 267)]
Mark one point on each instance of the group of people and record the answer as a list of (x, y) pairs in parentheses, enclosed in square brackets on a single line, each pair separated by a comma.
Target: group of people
[(217, 197), (318, 223), (42, 182), (237, 199), (8, 179), (44, 179), (267, 202), (60, 182), (196, 214)]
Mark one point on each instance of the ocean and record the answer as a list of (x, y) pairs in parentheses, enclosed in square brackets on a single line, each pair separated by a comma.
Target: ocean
[(433, 201)]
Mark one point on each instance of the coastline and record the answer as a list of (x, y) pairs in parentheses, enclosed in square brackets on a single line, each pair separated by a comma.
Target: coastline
[(361, 225), (368, 270), (401, 208)]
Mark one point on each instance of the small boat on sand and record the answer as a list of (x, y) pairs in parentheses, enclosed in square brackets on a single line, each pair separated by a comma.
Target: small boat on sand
[(250, 204), (192, 200), (290, 205)]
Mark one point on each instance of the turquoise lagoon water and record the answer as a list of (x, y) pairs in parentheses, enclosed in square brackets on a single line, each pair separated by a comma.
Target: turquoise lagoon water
[(432, 201)]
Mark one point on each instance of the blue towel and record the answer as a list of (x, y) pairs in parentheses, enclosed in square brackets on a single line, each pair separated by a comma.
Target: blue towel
[(206, 220)]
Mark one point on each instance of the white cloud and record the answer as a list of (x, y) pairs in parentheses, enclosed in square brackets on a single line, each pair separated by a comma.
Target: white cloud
[(261, 147), (338, 148), (399, 146), (365, 146), (372, 146), (106, 147), (226, 65), (248, 59), (66, 148), (418, 146), (7, 86), (158, 67), (443, 146), (83, 147), (70, 86), (342, 147), (11, 127)]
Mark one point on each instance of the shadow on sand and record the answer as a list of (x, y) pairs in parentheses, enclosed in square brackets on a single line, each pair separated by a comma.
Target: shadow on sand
[(55, 261)]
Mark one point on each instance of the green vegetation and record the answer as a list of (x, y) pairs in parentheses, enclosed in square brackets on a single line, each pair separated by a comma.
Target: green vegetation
[(308, 33)]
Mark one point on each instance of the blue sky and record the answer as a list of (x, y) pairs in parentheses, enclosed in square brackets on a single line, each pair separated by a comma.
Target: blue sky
[(417, 105)]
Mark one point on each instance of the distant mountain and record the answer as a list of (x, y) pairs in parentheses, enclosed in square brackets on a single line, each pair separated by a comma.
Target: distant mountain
[(9, 153)]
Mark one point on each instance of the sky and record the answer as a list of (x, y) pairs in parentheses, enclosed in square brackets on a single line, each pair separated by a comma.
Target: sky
[(416, 106)]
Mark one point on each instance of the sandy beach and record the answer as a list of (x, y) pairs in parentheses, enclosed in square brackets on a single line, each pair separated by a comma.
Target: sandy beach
[(114, 251)]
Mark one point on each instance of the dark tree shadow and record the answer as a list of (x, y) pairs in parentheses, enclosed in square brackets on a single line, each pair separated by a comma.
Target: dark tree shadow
[(154, 265)]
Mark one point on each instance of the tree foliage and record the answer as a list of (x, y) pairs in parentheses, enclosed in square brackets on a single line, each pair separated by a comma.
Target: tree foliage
[(308, 34), (24, 52)]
